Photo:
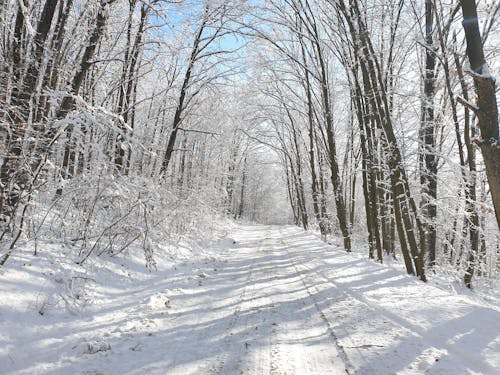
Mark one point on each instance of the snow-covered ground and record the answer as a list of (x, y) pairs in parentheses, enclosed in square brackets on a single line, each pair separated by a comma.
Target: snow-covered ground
[(276, 300)]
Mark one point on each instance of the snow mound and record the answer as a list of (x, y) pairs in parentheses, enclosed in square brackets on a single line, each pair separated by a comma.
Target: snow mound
[(226, 243), (93, 347), (158, 302)]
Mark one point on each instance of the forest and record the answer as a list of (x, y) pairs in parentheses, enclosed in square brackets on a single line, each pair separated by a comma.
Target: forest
[(372, 121), (214, 186)]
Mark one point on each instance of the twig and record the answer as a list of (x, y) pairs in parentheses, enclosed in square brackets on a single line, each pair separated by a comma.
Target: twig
[(198, 131), (467, 104)]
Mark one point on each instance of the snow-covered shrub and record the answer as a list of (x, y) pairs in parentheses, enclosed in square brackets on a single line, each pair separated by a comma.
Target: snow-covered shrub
[(99, 214)]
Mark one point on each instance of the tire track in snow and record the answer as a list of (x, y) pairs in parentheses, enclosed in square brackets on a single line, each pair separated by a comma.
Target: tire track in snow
[(300, 342), (224, 362), (257, 310), (340, 349), (427, 337), (274, 370), (221, 359), (277, 328)]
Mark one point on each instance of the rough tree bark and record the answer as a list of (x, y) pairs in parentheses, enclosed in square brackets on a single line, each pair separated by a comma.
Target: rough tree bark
[(14, 176), (487, 113), (427, 154)]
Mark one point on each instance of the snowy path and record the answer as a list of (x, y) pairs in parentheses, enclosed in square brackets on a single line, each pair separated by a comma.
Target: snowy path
[(277, 302)]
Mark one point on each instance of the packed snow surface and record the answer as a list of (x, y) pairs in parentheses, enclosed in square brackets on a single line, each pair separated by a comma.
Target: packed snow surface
[(265, 300)]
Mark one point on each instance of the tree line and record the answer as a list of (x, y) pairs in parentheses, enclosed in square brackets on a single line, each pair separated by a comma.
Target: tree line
[(399, 95), (383, 116)]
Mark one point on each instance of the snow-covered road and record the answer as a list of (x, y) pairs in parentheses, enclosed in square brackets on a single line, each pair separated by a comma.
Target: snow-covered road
[(277, 301)]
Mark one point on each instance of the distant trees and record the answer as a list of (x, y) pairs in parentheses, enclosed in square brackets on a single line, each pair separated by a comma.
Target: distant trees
[(308, 83), (214, 26), (371, 106), (87, 93)]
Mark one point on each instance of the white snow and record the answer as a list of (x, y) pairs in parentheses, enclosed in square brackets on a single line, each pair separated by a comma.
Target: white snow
[(265, 300)]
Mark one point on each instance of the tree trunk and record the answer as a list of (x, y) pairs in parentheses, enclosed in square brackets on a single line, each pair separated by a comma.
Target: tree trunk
[(332, 155), (68, 101), (427, 154), (182, 97), (486, 102), (242, 193)]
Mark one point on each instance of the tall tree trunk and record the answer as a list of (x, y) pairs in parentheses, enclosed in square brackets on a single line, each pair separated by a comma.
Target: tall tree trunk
[(14, 178), (312, 162), (51, 76), (427, 154), (179, 111), (242, 193), (129, 80), (405, 209), (332, 153), (68, 101), (486, 102)]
